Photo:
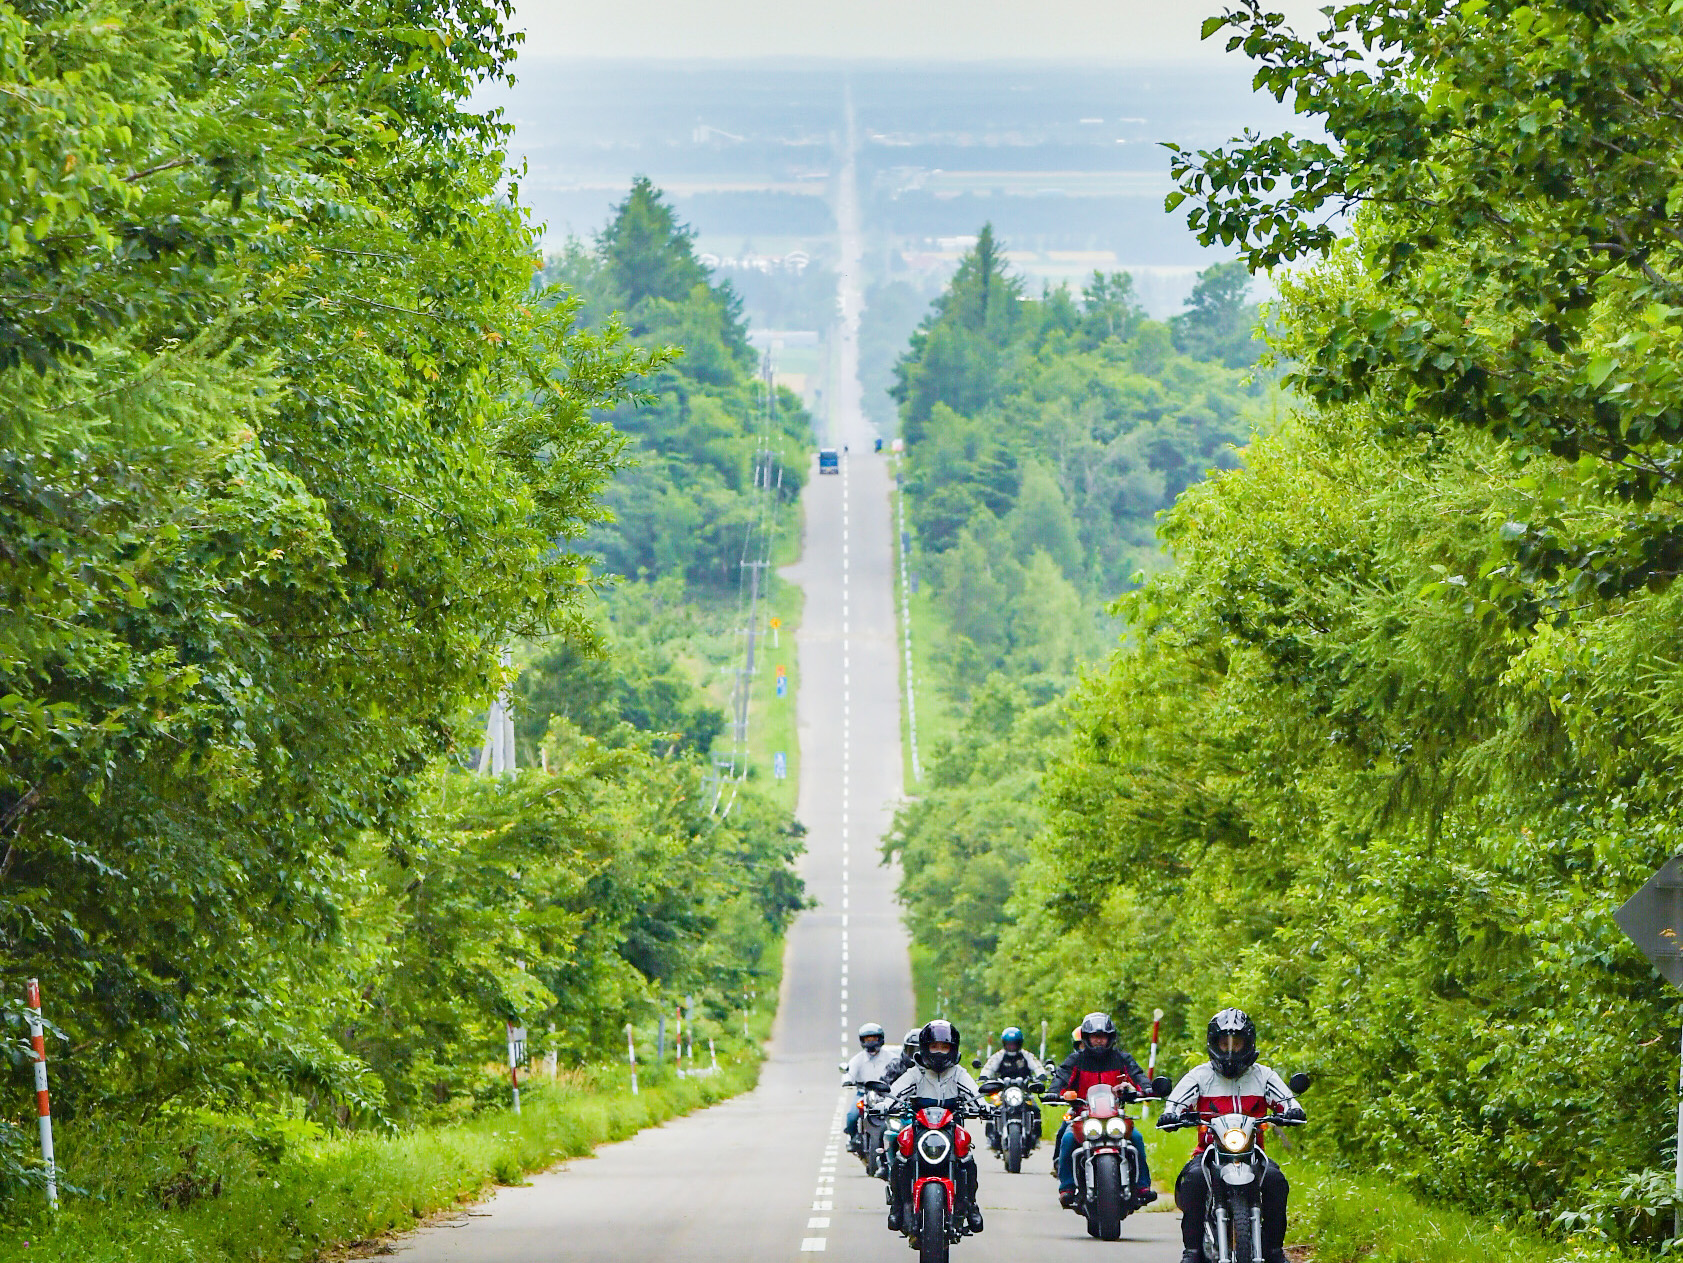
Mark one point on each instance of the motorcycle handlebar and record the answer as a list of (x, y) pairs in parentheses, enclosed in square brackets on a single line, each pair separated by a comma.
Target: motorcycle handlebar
[(1177, 1121)]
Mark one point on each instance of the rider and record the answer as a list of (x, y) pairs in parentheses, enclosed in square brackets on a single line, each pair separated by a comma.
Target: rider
[(937, 1081), (1098, 1060), (906, 1058), (1231, 1082), (1012, 1061), (869, 1065)]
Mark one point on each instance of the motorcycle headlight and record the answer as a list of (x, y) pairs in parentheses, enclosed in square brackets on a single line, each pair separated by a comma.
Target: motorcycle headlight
[(1092, 1128), (1013, 1096), (1235, 1140), (1115, 1127), (933, 1146)]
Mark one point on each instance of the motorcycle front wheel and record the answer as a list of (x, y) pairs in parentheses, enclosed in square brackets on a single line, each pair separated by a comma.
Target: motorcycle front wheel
[(1244, 1243), (1013, 1146), (932, 1246), (1107, 1196)]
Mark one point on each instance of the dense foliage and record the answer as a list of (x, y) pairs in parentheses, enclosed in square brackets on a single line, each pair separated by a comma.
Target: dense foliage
[(1032, 508), (1399, 731), (287, 455), (1044, 436), (689, 501)]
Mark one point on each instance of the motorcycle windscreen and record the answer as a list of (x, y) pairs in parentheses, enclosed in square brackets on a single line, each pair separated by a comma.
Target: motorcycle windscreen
[(1101, 1101)]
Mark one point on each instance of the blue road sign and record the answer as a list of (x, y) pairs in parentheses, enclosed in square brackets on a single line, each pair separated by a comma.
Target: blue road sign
[(783, 686), (779, 765)]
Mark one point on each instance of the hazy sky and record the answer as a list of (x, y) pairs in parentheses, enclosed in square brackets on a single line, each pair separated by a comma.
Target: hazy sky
[(1131, 31)]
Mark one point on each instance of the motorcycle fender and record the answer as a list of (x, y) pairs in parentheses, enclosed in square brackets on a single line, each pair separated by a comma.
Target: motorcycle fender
[(917, 1191), (1237, 1173)]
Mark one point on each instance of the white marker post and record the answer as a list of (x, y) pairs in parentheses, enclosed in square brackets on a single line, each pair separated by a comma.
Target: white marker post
[(1042, 1041), (516, 1054), (43, 1106), (631, 1055)]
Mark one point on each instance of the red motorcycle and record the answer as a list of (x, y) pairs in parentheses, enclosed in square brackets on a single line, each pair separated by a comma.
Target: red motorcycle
[(927, 1156)]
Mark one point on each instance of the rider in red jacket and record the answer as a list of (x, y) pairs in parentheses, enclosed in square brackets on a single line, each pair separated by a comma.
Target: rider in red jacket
[(1097, 1060)]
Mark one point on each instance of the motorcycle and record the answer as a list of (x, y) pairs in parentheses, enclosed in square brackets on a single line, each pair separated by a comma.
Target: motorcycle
[(1233, 1164), (1016, 1127), (934, 1143), (1107, 1177), (872, 1126)]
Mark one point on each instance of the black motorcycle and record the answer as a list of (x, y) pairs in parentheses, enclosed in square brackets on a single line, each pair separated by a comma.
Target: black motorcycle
[(1015, 1130), (1232, 1165), (872, 1123), (1107, 1176)]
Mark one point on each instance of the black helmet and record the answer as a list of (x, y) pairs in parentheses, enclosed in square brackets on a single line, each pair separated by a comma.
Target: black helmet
[(1098, 1024), (940, 1031), (871, 1036), (1231, 1063), (908, 1045)]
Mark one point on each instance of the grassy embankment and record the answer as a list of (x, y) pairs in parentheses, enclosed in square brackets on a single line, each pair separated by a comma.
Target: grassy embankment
[(204, 1190), (1340, 1218), (936, 719)]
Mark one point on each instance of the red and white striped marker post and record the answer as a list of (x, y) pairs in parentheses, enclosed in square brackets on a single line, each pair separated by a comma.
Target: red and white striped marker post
[(43, 1106), (1156, 1028)]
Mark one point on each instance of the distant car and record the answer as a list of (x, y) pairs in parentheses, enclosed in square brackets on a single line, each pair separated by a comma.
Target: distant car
[(828, 461)]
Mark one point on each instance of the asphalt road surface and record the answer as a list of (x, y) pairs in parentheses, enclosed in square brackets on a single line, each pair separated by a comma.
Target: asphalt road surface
[(766, 1176)]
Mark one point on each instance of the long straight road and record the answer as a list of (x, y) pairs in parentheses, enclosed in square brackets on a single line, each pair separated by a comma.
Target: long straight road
[(764, 1177)]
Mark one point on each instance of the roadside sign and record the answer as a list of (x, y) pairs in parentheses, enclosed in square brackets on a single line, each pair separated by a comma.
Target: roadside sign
[(779, 766), (781, 669), (776, 623), (1653, 918), (783, 686)]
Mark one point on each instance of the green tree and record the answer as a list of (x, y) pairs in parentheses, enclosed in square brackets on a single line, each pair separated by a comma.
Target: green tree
[(1532, 291), (1218, 324)]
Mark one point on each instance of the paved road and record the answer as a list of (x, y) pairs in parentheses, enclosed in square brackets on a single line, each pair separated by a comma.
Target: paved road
[(761, 1178)]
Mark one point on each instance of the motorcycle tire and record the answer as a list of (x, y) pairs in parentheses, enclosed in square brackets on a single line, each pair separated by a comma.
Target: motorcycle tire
[(1244, 1244), (932, 1244), (1013, 1146), (1107, 1196)]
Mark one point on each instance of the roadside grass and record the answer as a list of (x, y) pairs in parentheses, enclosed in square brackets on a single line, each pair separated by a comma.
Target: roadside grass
[(341, 1191), (1341, 1218), (936, 720), (210, 1189), (1344, 1218), (772, 719)]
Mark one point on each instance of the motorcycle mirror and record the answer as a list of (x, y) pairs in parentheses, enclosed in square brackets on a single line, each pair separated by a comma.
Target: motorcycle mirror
[(975, 1063), (842, 1066), (1162, 1085), (1298, 1083)]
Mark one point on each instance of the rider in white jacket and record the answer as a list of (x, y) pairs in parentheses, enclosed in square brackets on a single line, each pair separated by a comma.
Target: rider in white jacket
[(869, 1065), (938, 1081), (1231, 1082)]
